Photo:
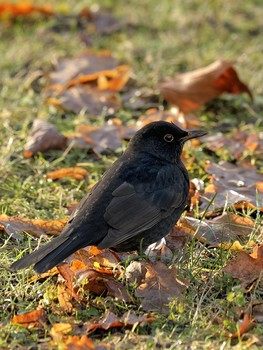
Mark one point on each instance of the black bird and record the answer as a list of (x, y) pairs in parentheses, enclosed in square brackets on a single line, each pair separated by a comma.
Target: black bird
[(136, 203)]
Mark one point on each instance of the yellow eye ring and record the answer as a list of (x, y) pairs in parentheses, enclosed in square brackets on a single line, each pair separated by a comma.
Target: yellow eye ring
[(168, 138)]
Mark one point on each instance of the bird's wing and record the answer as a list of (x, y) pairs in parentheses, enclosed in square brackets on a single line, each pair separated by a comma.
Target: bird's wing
[(127, 215)]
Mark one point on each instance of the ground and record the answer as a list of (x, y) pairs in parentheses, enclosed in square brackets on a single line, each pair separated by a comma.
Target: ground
[(160, 39)]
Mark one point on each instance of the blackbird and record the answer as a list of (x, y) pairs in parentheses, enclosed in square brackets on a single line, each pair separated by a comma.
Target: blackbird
[(136, 203)]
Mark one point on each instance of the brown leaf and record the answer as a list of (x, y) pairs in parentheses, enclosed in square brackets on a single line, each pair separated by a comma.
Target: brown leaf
[(35, 227), (75, 173), (235, 144), (111, 80), (75, 342), (44, 136), (108, 136), (80, 98), (22, 8), (223, 230), (246, 267), (189, 91), (64, 298), (86, 63), (233, 185), (30, 319), (161, 285), (110, 320)]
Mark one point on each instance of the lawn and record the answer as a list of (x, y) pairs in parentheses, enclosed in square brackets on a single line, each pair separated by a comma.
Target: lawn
[(158, 39)]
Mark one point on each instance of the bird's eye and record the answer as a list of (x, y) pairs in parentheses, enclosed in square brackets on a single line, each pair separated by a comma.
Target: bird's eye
[(168, 138)]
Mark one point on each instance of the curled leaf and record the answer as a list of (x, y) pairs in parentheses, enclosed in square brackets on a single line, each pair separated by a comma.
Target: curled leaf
[(189, 91)]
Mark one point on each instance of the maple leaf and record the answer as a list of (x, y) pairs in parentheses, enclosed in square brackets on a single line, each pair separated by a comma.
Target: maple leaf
[(246, 267), (160, 286), (189, 91)]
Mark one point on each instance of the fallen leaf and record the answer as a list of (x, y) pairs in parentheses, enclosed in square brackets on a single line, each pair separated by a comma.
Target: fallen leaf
[(233, 184), (64, 298), (161, 285), (44, 136), (86, 63), (30, 319), (235, 144), (223, 230), (110, 320), (189, 91), (76, 173), (111, 80), (246, 267), (62, 328), (80, 98), (75, 342), (243, 326), (23, 8), (106, 137), (35, 227)]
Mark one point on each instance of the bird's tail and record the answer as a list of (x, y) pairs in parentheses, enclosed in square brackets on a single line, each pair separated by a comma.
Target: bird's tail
[(50, 254)]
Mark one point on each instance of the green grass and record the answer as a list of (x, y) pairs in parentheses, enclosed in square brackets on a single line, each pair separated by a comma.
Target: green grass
[(161, 38)]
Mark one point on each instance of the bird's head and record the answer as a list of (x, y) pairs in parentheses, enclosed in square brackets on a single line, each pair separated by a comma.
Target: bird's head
[(162, 139)]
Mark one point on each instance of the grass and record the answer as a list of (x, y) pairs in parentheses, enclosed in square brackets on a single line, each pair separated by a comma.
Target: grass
[(161, 39)]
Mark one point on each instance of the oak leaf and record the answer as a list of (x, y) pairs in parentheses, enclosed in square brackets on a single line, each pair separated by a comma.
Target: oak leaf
[(190, 90)]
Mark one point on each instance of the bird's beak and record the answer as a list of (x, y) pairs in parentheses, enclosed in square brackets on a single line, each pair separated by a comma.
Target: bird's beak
[(193, 134)]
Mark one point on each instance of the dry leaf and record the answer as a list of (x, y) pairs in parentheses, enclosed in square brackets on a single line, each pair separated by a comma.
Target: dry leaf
[(80, 98), (30, 319), (161, 285), (223, 230), (110, 320), (107, 137), (75, 342), (233, 185), (235, 144), (189, 91), (44, 136), (76, 173), (86, 63), (246, 267), (22, 8), (35, 227), (64, 298)]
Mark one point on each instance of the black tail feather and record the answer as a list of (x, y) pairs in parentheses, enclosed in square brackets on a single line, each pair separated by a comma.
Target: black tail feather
[(50, 254)]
